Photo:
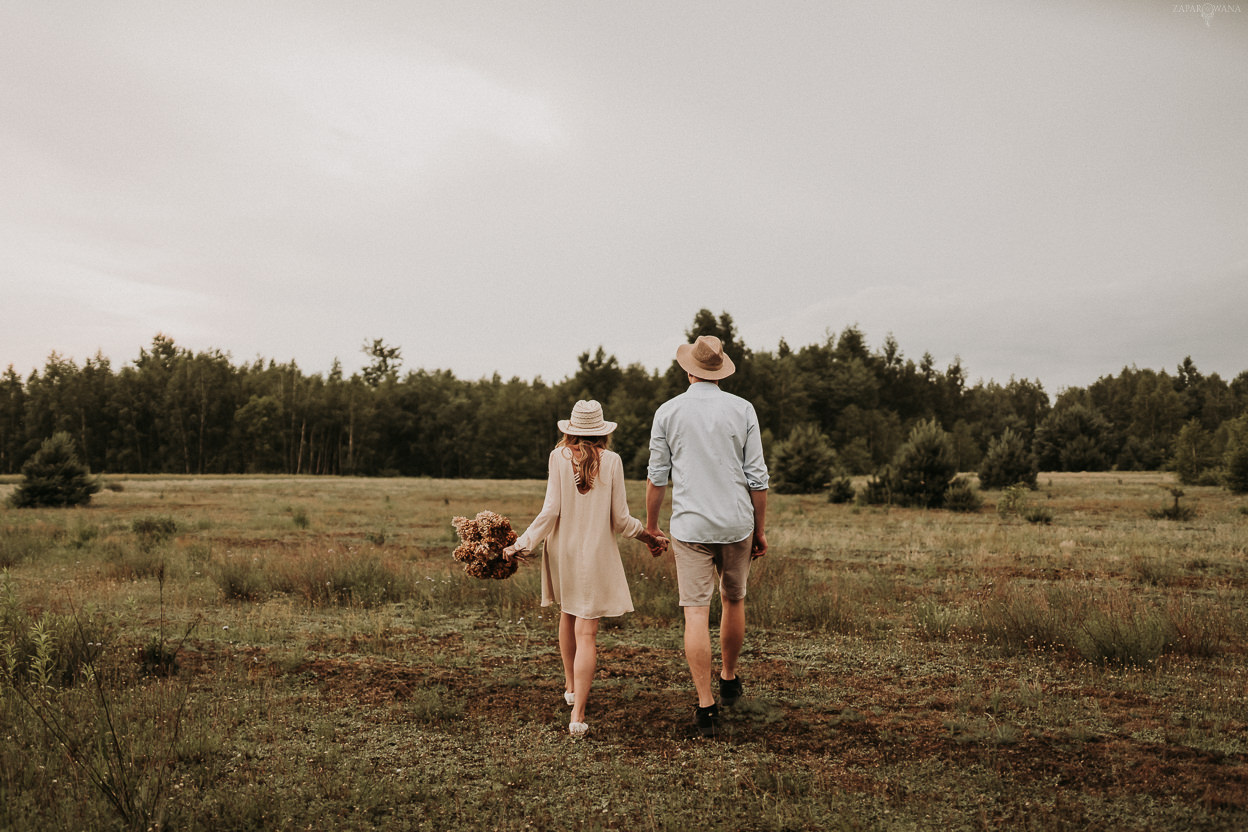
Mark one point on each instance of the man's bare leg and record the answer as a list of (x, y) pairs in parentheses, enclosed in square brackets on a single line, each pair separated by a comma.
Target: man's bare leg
[(698, 651), (731, 636)]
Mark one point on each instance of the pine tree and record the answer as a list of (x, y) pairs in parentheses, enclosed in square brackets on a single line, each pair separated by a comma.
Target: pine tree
[(1235, 460), (923, 467), (803, 463), (1194, 453), (54, 477), (1007, 462)]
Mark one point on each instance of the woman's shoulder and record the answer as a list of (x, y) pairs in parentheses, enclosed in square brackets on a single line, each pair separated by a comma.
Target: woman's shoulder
[(610, 457)]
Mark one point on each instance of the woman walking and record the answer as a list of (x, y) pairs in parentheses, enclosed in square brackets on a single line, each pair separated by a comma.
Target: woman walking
[(585, 508)]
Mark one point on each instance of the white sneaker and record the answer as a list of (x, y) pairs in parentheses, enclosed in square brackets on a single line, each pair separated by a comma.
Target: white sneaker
[(578, 729), (569, 697)]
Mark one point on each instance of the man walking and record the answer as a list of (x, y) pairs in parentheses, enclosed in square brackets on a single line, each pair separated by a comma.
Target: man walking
[(707, 443)]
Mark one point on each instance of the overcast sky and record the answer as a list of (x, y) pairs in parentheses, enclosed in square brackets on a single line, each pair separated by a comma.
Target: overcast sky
[(1049, 190)]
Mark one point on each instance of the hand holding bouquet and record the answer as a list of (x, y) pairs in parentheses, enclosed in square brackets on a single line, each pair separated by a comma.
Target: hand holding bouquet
[(485, 548)]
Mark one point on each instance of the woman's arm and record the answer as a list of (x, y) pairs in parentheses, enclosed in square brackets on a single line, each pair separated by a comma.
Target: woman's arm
[(544, 523), (622, 522)]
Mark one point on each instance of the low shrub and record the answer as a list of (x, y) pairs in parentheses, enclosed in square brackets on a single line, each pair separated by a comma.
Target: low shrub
[(152, 531), (1123, 635), (1200, 628), (1173, 511), (790, 594), (1115, 629), (240, 579), (963, 496), (1013, 500), (435, 704), (299, 516), (1017, 620), (19, 543), (1038, 515), (339, 577), (52, 650), (841, 490), (935, 621), (131, 563), (876, 491)]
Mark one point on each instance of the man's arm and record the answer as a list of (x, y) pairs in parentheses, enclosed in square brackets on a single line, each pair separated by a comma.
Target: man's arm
[(654, 502), (759, 547)]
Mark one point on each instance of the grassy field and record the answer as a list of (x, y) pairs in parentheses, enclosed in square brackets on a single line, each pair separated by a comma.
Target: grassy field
[(297, 653)]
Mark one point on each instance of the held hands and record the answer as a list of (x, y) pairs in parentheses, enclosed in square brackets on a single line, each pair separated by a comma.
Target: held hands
[(654, 540)]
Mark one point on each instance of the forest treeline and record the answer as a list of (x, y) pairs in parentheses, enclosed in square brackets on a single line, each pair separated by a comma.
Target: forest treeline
[(177, 411)]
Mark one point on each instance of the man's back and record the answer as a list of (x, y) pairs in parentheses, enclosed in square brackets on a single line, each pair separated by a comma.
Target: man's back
[(708, 442)]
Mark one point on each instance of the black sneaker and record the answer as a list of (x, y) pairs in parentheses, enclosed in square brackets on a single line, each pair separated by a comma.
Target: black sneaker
[(706, 720), (730, 691)]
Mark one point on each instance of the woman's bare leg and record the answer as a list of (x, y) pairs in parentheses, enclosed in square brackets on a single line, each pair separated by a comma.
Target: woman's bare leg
[(585, 663), (567, 649)]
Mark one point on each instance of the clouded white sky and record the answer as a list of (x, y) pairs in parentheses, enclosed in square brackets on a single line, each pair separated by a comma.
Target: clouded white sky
[(1048, 190)]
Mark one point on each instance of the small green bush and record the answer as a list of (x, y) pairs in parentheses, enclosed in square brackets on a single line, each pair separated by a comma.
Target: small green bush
[(1038, 515), (1202, 628), (934, 621), (239, 579), (50, 651), (19, 543), (876, 491), (152, 531), (340, 577), (54, 478), (1173, 511), (1124, 636), (129, 563), (792, 594), (435, 704), (841, 490), (962, 496), (300, 517), (1018, 621), (1013, 501)]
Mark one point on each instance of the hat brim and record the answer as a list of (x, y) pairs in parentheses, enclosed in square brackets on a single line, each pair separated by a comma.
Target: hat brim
[(684, 357), (565, 426)]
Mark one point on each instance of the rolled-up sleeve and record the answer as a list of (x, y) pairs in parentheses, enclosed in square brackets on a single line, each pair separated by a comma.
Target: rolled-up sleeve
[(755, 467), (660, 467)]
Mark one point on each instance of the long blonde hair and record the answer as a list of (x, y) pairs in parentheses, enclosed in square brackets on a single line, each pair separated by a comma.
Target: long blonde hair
[(586, 457)]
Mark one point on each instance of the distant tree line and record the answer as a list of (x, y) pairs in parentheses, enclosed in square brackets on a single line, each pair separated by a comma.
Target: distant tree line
[(177, 411)]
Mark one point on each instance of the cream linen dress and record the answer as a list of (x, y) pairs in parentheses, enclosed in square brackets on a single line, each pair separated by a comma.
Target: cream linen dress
[(581, 567)]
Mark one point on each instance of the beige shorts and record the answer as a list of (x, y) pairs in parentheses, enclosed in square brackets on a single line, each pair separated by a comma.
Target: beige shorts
[(698, 564)]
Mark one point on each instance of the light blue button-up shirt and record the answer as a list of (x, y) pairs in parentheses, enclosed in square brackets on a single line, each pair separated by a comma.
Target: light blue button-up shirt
[(707, 442)]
